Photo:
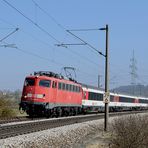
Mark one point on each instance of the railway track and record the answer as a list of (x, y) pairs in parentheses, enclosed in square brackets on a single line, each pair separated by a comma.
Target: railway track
[(10, 130), (13, 119)]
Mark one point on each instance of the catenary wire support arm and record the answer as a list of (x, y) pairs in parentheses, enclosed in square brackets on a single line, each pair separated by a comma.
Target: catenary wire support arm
[(9, 46), (86, 43), (84, 29), (65, 45), (9, 34), (83, 42), (62, 44), (31, 21)]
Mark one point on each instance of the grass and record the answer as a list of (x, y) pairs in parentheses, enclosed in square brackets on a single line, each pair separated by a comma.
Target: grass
[(130, 132)]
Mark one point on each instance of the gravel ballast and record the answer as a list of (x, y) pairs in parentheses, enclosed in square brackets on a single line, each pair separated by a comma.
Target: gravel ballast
[(65, 136), (61, 137)]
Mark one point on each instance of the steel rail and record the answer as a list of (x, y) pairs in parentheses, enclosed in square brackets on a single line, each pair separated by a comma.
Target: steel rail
[(39, 125)]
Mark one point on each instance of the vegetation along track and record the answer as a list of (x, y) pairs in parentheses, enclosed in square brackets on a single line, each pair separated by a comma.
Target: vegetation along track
[(10, 130)]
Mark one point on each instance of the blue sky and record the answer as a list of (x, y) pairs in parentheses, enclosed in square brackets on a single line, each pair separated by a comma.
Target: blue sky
[(36, 48)]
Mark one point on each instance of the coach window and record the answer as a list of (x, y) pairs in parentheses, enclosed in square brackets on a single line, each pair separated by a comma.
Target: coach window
[(45, 83), (96, 96), (143, 101), (125, 99), (111, 98), (93, 96), (100, 97), (90, 96)]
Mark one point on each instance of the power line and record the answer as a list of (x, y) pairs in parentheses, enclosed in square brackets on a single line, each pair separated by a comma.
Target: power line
[(2, 20), (86, 43), (6, 28), (87, 59), (88, 74), (51, 17), (62, 27), (33, 54), (9, 34), (40, 57), (30, 20), (35, 23), (41, 27), (47, 44), (72, 52)]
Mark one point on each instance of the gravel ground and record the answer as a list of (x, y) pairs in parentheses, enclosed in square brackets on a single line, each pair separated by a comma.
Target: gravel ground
[(82, 135), (62, 137)]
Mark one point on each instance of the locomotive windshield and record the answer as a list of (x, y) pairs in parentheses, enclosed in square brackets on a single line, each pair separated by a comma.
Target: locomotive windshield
[(29, 82), (45, 83)]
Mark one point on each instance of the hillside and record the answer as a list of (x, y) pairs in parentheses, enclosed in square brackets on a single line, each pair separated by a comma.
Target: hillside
[(138, 90)]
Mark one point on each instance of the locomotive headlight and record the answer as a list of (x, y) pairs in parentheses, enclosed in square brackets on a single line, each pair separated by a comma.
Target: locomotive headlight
[(39, 96), (29, 95)]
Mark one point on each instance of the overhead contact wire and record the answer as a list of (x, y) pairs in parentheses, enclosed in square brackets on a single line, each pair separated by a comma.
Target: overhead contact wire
[(38, 26)]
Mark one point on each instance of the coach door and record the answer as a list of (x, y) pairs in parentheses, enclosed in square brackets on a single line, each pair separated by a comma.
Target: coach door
[(54, 90)]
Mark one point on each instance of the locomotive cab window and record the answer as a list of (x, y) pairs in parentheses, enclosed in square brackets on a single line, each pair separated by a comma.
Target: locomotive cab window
[(29, 82), (45, 83)]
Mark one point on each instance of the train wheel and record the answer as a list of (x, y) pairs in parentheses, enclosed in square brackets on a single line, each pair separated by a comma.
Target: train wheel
[(31, 114), (60, 112), (53, 112), (47, 113), (73, 112), (76, 111)]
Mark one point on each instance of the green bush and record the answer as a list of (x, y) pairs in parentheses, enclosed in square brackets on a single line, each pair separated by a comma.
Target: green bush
[(7, 112), (130, 132), (6, 109)]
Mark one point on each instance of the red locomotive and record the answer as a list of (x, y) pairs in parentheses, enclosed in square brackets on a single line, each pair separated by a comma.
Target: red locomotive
[(49, 94)]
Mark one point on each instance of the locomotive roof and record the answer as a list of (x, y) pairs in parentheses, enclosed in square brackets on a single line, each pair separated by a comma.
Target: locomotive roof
[(46, 74)]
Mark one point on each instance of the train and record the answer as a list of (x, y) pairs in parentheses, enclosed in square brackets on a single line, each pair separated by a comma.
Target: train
[(49, 94)]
